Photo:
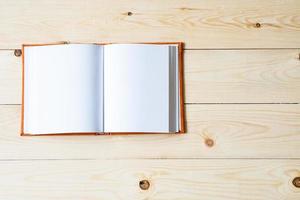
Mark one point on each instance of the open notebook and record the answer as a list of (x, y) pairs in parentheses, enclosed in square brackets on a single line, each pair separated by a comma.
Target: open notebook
[(102, 88)]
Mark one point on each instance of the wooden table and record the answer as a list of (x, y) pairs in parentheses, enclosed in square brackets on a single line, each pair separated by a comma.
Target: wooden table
[(242, 95)]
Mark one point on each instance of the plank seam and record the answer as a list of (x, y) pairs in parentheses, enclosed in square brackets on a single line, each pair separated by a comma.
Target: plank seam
[(213, 103), (213, 49), (151, 158)]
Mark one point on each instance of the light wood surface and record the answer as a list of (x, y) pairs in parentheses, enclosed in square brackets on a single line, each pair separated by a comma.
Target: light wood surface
[(242, 76), (242, 95), (169, 179), (199, 23), (10, 78), (238, 131), (211, 76)]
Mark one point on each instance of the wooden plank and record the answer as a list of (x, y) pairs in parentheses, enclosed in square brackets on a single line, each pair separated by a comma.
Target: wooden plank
[(211, 76), (10, 78), (237, 131), (201, 24), (169, 179), (234, 76)]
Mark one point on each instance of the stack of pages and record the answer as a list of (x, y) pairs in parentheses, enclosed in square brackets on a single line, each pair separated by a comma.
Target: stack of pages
[(102, 88)]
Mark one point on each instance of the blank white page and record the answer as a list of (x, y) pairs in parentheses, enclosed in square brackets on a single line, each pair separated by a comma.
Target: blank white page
[(136, 88), (62, 90)]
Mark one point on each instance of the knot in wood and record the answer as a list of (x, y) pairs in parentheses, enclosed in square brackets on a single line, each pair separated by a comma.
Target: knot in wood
[(296, 182), (257, 25), (209, 142), (144, 184), (18, 52)]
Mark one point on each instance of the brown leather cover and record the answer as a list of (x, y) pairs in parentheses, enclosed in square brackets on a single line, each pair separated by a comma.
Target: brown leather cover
[(181, 93)]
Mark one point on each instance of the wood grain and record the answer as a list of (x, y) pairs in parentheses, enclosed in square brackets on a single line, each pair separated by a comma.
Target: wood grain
[(10, 78), (211, 76), (247, 52), (169, 179), (248, 76), (201, 24), (237, 131)]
